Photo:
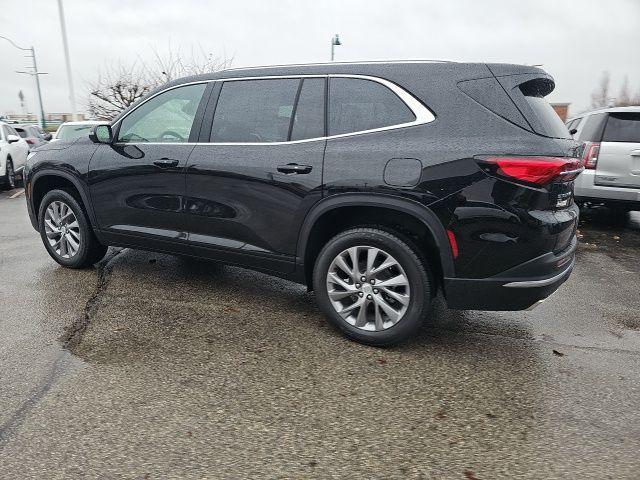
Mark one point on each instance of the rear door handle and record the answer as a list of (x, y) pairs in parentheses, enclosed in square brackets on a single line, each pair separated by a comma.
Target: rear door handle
[(166, 162), (635, 153), (294, 168)]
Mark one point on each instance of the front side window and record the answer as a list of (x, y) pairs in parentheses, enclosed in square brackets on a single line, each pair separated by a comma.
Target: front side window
[(254, 111), (357, 105), (622, 127), (166, 118)]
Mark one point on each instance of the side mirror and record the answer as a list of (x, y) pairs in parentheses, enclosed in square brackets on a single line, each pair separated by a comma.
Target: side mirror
[(573, 131), (13, 138), (101, 134)]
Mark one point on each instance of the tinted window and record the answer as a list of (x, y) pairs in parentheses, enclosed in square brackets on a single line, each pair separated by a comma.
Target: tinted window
[(622, 127), (166, 118), (592, 128), (356, 105), (551, 122), (250, 111), (309, 113)]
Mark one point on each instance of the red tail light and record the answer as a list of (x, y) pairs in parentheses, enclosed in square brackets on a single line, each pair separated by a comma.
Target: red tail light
[(537, 171), (30, 141), (591, 152)]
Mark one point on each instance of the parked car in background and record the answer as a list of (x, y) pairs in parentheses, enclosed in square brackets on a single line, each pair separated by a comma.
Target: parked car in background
[(375, 184), (31, 134), (69, 131), (13, 155), (46, 135), (611, 139)]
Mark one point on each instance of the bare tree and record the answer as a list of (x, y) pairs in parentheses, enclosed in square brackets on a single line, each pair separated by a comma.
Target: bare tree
[(600, 96), (624, 97), (121, 84)]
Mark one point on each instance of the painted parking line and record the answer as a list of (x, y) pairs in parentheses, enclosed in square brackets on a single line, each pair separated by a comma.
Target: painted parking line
[(18, 193)]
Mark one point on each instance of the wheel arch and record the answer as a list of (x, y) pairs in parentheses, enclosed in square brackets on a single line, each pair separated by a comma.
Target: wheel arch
[(46, 180), (332, 208)]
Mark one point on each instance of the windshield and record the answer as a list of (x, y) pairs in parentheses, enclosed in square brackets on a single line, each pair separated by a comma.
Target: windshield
[(71, 132)]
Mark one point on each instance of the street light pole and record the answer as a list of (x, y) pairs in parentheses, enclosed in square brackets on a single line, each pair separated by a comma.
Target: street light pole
[(36, 74), (72, 96), (334, 41)]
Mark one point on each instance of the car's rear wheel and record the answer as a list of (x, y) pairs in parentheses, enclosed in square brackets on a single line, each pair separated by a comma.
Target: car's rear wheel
[(10, 175), (373, 285), (66, 232)]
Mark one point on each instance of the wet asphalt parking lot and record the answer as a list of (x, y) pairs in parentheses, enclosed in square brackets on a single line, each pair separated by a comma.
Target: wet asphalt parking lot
[(151, 366)]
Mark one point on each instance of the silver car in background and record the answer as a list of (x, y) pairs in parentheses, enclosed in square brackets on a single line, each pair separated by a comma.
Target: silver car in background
[(611, 138)]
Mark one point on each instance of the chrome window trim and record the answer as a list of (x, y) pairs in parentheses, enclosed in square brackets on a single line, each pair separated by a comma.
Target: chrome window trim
[(422, 114)]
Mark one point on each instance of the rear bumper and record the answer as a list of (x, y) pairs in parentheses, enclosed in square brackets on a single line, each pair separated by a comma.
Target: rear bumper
[(585, 190), (516, 289)]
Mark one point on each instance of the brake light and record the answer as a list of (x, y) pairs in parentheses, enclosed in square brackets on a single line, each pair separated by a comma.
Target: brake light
[(30, 141), (453, 243), (591, 152), (537, 171)]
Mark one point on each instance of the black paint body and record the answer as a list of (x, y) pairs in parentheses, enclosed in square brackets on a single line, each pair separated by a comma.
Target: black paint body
[(230, 202)]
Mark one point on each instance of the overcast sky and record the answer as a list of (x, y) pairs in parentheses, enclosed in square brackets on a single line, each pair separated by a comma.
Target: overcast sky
[(574, 40)]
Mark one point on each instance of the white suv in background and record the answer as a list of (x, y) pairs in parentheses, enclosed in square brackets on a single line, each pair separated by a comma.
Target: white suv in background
[(611, 139), (13, 155)]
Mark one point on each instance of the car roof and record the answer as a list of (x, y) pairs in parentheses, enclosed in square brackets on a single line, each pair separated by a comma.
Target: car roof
[(372, 67), (630, 108)]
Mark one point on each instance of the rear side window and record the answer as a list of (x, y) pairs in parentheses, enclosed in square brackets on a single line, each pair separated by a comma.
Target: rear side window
[(308, 119), (356, 105), (592, 129), (622, 127), (254, 111)]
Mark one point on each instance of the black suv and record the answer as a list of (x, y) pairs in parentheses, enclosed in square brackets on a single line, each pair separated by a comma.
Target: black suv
[(375, 184)]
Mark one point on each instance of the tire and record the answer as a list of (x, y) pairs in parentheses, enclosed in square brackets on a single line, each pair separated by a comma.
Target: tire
[(74, 227), (373, 326), (9, 176)]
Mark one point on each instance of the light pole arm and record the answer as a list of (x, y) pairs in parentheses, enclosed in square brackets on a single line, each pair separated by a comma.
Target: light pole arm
[(14, 43)]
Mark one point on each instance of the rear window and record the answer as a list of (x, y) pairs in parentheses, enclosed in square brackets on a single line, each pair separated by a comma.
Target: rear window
[(622, 127), (534, 92), (592, 129), (22, 132)]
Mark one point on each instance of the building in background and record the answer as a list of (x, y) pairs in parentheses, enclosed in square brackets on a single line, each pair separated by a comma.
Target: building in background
[(50, 118), (562, 109)]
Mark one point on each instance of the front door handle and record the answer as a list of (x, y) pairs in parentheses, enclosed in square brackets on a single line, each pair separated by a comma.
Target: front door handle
[(635, 153), (166, 162), (292, 168)]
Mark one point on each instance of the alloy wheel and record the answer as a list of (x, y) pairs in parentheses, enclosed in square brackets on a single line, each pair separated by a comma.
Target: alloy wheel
[(368, 288), (62, 229)]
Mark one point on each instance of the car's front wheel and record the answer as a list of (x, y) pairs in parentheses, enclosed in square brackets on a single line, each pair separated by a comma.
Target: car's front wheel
[(66, 232), (10, 175), (373, 285)]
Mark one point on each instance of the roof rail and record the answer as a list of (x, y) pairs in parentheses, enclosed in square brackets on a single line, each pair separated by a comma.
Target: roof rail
[(363, 62)]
